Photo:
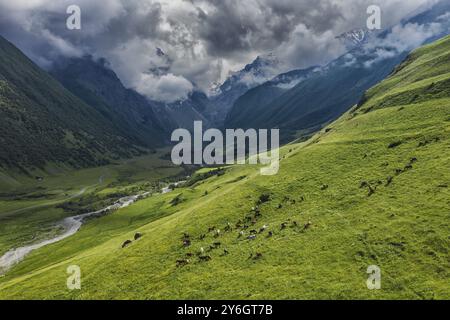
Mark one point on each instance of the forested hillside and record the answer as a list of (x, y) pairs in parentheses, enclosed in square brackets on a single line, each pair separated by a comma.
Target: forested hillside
[(41, 122)]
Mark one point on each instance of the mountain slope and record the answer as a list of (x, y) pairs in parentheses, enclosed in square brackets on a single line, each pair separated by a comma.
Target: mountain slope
[(99, 87), (259, 71), (41, 122), (254, 101), (182, 114), (148, 123), (371, 189), (319, 99)]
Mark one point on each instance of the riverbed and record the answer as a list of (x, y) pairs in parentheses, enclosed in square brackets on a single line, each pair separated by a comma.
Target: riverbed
[(70, 225)]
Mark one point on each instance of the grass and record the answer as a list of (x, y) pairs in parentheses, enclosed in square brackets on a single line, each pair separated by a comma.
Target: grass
[(347, 199)]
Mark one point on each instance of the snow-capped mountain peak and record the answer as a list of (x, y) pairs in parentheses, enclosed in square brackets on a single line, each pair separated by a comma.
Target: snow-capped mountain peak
[(355, 37)]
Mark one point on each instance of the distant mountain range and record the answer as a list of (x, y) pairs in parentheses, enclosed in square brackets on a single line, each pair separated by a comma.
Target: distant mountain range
[(324, 93), (323, 96), (81, 114)]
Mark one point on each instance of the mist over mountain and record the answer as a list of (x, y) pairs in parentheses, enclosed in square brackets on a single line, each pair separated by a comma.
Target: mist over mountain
[(334, 88), (148, 121), (262, 69), (99, 87)]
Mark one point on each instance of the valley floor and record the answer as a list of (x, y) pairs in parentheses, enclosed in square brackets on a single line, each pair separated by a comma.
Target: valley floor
[(30, 210)]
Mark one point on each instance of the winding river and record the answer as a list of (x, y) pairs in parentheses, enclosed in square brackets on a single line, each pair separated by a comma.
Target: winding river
[(70, 226)]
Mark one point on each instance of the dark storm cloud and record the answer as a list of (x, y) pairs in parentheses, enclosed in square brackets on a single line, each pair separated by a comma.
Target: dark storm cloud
[(234, 25), (202, 40)]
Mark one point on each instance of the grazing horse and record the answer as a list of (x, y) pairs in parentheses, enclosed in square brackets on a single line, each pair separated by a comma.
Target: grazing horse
[(205, 258), (182, 262), (307, 225), (228, 228), (126, 243), (389, 180), (258, 256), (371, 190)]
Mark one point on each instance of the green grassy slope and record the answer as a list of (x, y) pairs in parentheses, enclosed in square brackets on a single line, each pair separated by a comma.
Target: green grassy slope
[(41, 122), (371, 189)]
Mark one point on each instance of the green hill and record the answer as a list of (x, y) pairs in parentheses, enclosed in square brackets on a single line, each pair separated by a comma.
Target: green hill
[(371, 189), (41, 122)]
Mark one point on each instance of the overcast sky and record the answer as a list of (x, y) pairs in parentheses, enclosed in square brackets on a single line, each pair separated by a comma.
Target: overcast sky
[(202, 40)]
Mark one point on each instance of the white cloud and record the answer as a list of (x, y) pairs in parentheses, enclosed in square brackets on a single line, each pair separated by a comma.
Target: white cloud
[(410, 36), (444, 17), (403, 38), (167, 88), (62, 46)]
